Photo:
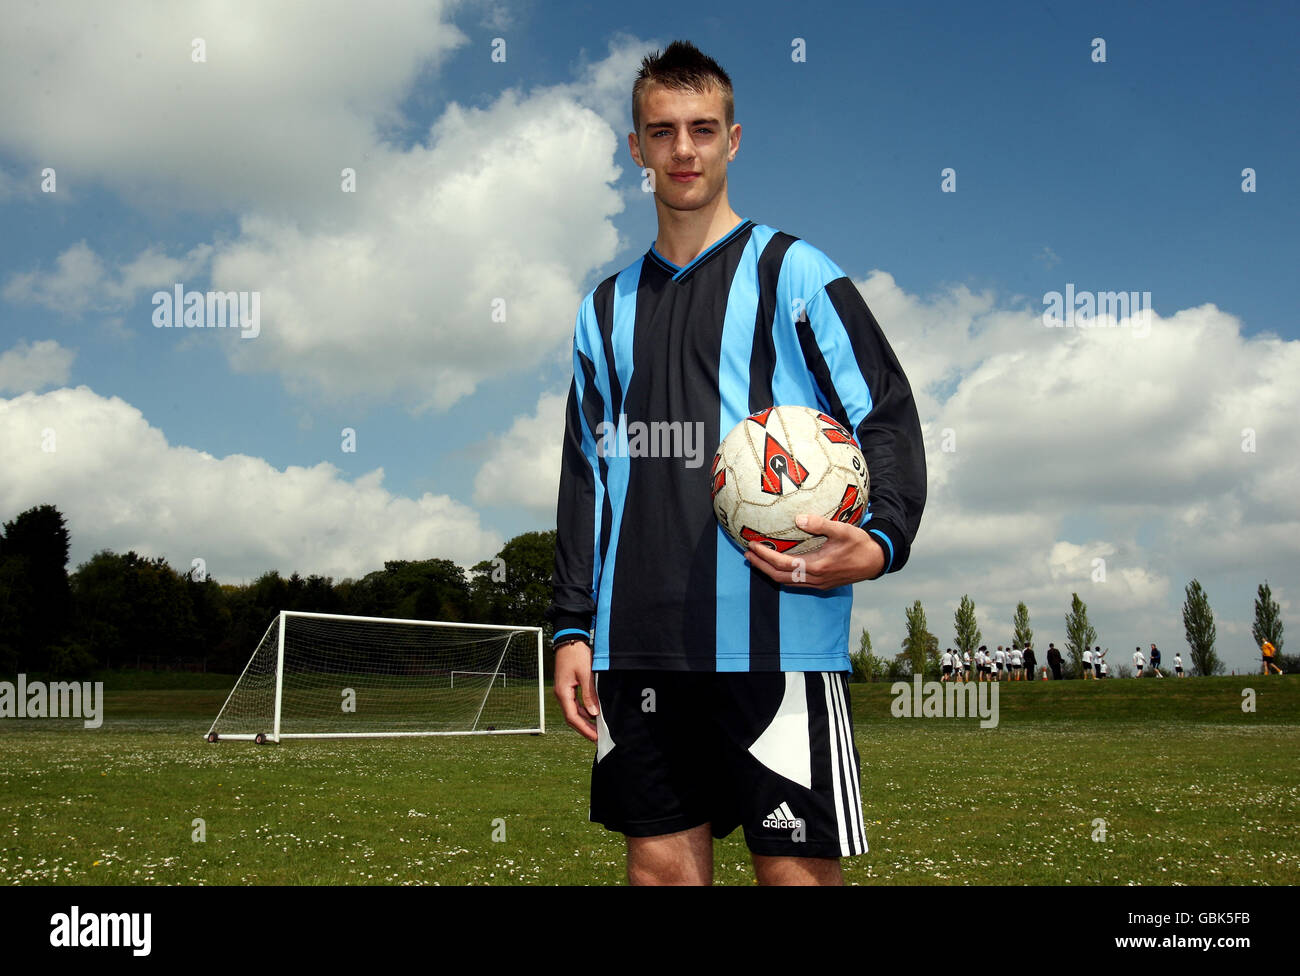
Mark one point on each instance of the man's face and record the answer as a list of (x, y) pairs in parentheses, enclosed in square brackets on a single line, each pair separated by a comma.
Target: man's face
[(685, 143)]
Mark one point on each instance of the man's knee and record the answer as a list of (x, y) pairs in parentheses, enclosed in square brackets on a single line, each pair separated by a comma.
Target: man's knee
[(684, 858), (798, 870)]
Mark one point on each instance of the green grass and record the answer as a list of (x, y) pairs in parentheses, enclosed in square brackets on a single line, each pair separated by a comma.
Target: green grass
[(1192, 789)]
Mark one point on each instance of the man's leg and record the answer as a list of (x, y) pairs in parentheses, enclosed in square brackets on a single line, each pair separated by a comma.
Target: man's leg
[(684, 858), (798, 870)]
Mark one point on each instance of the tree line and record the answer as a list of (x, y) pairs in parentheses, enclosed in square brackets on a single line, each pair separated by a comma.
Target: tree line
[(920, 648), (124, 610)]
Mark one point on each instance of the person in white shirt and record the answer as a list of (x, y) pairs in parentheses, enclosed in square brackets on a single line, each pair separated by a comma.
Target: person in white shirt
[(1017, 664), (945, 661), (1178, 666), (999, 662), (1138, 661), (1105, 670), (1087, 664), (1097, 655), (965, 669)]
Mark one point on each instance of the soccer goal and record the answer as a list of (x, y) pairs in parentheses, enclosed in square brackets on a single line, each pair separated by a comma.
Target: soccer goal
[(328, 676)]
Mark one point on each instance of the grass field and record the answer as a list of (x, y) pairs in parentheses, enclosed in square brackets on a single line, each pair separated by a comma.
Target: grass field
[(1192, 790)]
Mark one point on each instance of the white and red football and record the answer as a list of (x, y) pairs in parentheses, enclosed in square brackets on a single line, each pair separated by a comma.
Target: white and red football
[(783, 461)]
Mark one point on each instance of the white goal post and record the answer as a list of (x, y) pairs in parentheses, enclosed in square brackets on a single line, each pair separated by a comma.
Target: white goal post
[(328, 676)]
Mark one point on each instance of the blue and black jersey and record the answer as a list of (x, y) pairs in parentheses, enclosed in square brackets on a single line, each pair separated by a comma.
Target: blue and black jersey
[(666, 361)]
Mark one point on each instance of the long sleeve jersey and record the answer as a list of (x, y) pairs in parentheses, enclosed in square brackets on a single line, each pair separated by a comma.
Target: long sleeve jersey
[(666, 360)]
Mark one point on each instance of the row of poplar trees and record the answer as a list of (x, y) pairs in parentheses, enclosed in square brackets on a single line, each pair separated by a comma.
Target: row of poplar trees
[(920, 648)]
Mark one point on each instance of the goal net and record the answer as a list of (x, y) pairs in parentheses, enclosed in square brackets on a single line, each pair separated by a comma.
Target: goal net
[(321, 675)]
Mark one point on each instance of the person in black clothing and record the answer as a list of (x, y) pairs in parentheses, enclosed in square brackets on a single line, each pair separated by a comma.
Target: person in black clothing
[(1155, 661), (1054, 661), (1031, 662)]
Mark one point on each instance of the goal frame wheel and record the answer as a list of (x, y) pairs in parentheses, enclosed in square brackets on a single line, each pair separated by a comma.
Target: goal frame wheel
[(260, 738), (212, 737)]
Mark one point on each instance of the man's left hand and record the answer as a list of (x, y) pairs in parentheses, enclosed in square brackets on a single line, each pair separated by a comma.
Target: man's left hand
[(849, 555)]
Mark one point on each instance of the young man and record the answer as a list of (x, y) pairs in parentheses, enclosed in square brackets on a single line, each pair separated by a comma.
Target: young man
[(1270, 657), (1087, 665), (1138, 661), (1097, 655), (1178, 665), (712, 683), (1155, 661)]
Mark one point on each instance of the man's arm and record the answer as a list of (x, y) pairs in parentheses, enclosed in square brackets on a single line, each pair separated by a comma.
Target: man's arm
[(859, 379), (578, 520)]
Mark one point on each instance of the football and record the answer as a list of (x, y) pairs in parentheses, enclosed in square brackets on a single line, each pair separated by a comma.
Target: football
[(780, 462)]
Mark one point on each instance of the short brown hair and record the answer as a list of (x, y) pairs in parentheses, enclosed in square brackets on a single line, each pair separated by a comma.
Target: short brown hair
[(682, 67)]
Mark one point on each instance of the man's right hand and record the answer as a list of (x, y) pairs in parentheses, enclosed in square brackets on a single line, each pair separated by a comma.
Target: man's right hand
[(573, 671)]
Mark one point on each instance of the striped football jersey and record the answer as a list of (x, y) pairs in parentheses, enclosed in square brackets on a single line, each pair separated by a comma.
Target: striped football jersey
[(666, 361)]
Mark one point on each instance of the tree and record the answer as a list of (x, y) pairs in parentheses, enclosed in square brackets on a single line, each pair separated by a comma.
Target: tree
[(866, 666), (1198, 623), (515, 587), (918, 641), (1268, 619), (1023, 633), (1079, 634), (968, 633), (35, 597), (131, 609)]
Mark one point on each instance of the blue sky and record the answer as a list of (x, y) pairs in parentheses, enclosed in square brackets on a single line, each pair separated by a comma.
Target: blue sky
[(481, 178)]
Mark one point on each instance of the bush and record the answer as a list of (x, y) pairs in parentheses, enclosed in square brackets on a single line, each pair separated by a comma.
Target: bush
[(71, 660), (868, 667)]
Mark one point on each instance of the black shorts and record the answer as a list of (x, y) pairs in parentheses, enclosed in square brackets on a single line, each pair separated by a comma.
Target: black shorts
[(768, 751), (947, 669)]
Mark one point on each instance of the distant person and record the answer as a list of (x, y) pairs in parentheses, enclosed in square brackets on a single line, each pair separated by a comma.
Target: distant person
[(999, 662), (1097, 655), (1138, 661), (946, 663), (1031, 662), (1270, 654), (1105, 668), (965, 669), (1054, 661), (1087, 664), (1178, 666), (1017, 664), (1155, 661)]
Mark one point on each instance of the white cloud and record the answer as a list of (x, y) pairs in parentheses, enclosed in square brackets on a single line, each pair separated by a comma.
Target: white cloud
[(463, 261), (122, 486), (82, 282), (1074, 444), (524, 471), (29, 367), (289, 94), (460, 258)]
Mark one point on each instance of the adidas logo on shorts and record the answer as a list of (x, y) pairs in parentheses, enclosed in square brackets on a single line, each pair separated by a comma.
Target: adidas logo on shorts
[(782, 819)]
